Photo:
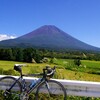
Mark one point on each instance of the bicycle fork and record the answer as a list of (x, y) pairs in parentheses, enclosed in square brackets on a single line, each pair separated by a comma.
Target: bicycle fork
[(48, 88)]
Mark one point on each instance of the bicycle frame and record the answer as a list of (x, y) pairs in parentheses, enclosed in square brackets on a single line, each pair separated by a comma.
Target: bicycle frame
[(41, 80), (36, 85), (43, 84)]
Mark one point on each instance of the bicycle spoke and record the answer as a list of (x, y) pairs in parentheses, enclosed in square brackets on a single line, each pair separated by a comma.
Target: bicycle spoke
[(51, 90), (9, 92)]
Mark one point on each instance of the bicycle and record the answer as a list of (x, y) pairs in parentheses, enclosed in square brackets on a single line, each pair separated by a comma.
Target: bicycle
[(18, 89)]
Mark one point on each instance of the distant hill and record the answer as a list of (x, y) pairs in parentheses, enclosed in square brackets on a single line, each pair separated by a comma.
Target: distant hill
[(48, 36)]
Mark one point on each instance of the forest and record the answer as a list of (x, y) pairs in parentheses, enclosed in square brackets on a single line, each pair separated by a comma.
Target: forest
[(28, 54)]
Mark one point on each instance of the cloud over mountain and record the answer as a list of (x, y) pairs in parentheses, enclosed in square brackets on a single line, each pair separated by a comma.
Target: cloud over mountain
[(6, 37)]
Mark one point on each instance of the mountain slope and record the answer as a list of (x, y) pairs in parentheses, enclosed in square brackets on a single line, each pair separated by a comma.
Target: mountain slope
[(48, 36)]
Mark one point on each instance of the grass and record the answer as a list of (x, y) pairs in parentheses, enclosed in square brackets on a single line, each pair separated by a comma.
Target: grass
[(65, 70), (87, 73)]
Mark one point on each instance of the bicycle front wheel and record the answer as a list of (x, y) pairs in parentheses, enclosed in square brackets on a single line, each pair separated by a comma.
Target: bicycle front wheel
[(10, 88), (51, 90)]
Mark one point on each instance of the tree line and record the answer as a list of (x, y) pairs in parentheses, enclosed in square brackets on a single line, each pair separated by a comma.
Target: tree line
[(19, 54), (27, 54)]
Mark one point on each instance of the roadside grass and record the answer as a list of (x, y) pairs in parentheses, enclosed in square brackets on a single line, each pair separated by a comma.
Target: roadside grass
[(64, 69), (92, 67), (87, 71)]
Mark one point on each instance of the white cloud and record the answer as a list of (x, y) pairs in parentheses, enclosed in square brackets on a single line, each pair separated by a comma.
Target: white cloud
[(6, 37)]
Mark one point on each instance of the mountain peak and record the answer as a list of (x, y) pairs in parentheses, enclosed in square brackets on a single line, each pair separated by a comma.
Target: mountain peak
[(49, 28), (49, 36), (43, 30)]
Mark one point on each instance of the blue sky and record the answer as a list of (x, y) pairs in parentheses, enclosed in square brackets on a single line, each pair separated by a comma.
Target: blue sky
[(79, 18)]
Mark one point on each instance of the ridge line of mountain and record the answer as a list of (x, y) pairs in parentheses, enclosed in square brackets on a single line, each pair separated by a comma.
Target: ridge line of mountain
[(48, 36)]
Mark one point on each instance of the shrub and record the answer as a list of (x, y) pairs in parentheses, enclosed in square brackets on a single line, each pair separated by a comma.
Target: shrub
[(77, 62)]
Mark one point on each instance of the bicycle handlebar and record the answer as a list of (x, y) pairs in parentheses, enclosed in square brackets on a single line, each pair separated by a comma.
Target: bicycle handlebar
[(48, 71)]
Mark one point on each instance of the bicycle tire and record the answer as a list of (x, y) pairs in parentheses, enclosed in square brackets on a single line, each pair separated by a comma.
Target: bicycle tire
[(5, 84), (52, 95)]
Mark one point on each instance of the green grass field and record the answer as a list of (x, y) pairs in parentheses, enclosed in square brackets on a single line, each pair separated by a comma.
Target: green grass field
[(88, 71)]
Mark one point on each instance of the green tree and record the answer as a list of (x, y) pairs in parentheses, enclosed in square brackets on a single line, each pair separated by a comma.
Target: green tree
[(8, 55), (77, 62), (37, 55), (27, 54), (19, 55)]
